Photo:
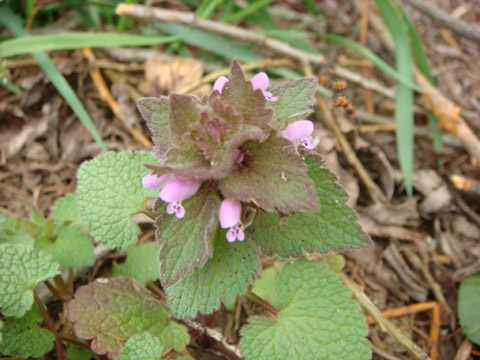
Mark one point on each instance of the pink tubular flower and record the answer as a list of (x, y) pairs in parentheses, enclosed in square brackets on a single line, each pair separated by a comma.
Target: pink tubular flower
[(259, 81), (177, 190), (300, 133), (229, 215), (152, 181)]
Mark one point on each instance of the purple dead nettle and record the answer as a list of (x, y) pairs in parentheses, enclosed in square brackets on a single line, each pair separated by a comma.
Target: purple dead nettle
[(229, 216), (259, 81), (173, 190), (300, 133)]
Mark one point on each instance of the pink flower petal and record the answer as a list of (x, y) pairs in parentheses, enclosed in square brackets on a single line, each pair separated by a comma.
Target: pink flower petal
[(240, 234), (298, 130), (260, 81), (220, 83), (230, 211), (179, 190), (177, 208), (231, 235), (152, 181), (268, 96)]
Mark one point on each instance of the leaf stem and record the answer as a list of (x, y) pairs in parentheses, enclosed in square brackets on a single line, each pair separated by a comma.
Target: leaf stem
[(61, 286), (76, 342), (49, 322), (147, 212), (56, 293), (264, 304)]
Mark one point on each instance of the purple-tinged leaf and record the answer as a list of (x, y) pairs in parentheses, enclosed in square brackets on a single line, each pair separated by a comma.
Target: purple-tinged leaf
[(155, 112), (110, 311), (250, 103), (273, 176), (184, 110), (295, 101), (187, 243)]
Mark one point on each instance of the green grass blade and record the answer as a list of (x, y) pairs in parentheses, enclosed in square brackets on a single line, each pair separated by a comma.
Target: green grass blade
[(373, 58), (11, 21), (404, 94), (70, 41), (248, 10), (424, 67), (10, 86), (208, 7)]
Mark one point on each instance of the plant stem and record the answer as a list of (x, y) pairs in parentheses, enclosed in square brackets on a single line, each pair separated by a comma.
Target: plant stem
[(49, 322), (76, 342), (264, 304), (55, 292), (61, 286), (147, 212)]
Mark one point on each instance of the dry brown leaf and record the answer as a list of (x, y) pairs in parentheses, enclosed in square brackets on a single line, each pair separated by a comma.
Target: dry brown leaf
[(162, 78)]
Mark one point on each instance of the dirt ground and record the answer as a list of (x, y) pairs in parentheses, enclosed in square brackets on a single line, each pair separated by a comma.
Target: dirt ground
[(423, 247)]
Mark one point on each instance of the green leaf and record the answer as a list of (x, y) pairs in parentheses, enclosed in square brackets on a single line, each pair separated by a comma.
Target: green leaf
[(155, 111), (21, 268), (229, 272), (141, 347), (65, 210), (142, 264), (295, 101), (320, 320), (264, 286), (404, 95), (70, 246), (468, 310), (12, 231), (186, 243), (76, 40), (110, 191), (75, 352), (111, 311), (273, 176), (23, 338), (332, 228)]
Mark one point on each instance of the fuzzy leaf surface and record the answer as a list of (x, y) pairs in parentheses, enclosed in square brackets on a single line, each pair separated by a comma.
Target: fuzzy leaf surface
[(75, 352), (250, 103), (468, 311), (65, 210), (17, 231), (111, 311), (21, 268), (23, 337), (184, 110), (265, 285), (320, 320), (142, 264), (110, 191), (141, 347), (295, 101), (273, 176), (70, 246), (187, 243), (155, 111), (229, 272), (333, 228)]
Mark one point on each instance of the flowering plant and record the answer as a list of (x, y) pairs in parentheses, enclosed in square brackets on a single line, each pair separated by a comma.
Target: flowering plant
[(235, 176)]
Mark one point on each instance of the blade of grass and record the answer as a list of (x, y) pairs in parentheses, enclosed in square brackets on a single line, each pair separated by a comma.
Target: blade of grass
[(373, 58), (208, 7), (11, 21), (248, 10), (404, 94), (10, 86), (424, 67), (70, 41)]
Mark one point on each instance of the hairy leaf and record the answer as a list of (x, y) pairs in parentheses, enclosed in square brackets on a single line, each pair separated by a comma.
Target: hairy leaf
[(111, 311), (142, 264), (319, 321), (141, 347), (155, 111), (468, 311), (70, 246), (229, 272), (23, 338), (334, 227), (110, 191), (65, 210), (186, 243), (295, 101), (184, 110), (273, 176), (21, 268)]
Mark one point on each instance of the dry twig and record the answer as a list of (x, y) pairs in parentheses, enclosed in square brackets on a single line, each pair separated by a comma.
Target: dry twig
[(384, 323)]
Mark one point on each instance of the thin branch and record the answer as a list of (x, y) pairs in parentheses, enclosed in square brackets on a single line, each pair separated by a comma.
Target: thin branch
[(188, 18), (384, 323), (467, 30), (214, 334), (49, 322)]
